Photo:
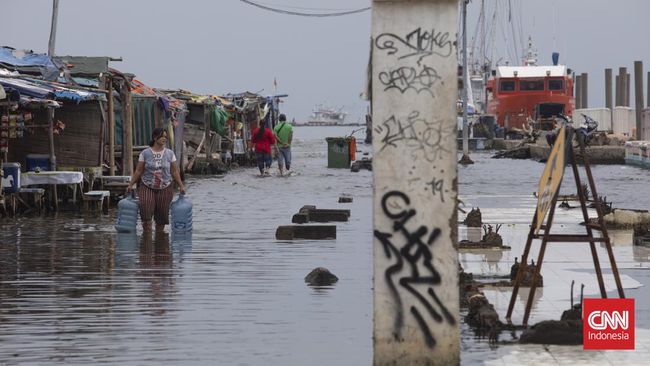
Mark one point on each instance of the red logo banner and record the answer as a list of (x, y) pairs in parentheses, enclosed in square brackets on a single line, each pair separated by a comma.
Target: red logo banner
[(608, 324)]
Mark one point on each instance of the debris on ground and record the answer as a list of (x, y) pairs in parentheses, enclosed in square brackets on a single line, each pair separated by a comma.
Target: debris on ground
[(474, 218)]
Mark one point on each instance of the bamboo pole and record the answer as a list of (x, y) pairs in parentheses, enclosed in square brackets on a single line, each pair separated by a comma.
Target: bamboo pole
[(50, 121), (127, 129), (102, 128), (111, 127), (208, 136)]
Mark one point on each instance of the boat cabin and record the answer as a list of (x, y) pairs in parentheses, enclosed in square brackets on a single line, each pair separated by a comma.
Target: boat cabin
[(516, 93)]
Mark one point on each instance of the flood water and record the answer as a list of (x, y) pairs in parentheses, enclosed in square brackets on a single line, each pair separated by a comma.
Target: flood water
[(72, 291)]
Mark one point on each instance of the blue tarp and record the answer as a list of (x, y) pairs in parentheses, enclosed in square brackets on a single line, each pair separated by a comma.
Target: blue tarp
[(27, 88), (27, 61), (45, 90)]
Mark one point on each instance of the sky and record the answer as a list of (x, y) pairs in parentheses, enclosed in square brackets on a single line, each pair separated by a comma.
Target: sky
[(217, 47)]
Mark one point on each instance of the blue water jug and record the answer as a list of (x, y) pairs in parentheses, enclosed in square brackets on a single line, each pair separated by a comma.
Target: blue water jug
[(181, 214), (127, 214)]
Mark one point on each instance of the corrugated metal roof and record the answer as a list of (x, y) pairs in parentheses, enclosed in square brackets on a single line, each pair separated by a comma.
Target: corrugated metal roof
[(83, 65)]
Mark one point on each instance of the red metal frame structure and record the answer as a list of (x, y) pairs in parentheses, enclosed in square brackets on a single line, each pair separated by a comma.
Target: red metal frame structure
[(548, 237)]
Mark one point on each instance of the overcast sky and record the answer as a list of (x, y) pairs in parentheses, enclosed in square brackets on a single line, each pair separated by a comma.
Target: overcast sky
[(228, 46)]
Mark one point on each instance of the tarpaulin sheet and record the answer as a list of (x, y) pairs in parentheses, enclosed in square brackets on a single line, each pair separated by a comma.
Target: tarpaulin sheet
[(83, 65), (44, 90), (26, 61), (218, 118)]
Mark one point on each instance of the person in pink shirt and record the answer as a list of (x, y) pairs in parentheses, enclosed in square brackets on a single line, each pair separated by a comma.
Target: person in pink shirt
[(262, 139)]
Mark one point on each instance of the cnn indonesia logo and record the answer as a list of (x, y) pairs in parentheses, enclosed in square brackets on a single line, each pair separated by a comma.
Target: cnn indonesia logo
[(608, 324)]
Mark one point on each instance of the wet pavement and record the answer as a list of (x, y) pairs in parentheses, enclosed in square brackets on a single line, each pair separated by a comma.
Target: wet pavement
[(503, 189), (72, 291)]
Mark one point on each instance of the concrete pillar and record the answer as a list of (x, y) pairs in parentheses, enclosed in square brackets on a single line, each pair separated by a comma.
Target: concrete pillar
[(608, 93), (584, 79), (416, 305), (627, 89), (648, 85), (638, 96), (622, 72), (617, 85), (578, 86), (608, 88)]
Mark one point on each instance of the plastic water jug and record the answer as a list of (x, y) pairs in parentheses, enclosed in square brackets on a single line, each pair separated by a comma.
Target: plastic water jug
[(127, 214), (181, 214)]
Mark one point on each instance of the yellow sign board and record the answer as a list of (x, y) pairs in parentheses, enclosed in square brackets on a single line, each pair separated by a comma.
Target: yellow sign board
[(551, 179)]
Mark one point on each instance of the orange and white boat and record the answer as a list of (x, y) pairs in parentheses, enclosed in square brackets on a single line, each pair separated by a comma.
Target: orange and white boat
[(517, 93)]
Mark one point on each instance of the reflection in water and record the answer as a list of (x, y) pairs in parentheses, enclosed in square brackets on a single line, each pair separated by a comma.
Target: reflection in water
[(641, 253), (126, 248), (523, 295), (491, 257), (321, 290), (474, 233), (156, 262), (181, 244), (619, 238)]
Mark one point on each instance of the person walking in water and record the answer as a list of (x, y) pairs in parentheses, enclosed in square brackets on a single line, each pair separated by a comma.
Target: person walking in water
[(155, 170), (283, 132), (262, 139)]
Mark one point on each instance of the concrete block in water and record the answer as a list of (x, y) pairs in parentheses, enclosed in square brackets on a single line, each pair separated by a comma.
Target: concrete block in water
[(345, 199), (324, 215), (314, 232), (328, 215), (320, 276), (306, 208), (300, 218)]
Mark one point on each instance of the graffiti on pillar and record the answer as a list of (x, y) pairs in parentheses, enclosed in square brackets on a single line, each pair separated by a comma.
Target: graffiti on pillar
[(424, 138), (413, 268), (419, 79), (418, 43), (437, 186)]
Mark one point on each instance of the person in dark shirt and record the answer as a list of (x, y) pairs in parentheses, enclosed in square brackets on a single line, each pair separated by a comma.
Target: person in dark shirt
[(262, 139)]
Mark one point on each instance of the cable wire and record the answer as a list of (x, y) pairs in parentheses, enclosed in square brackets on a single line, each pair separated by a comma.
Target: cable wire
[(288, 12)]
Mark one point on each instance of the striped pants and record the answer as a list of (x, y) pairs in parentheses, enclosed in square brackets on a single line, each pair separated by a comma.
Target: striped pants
[(156, 203)]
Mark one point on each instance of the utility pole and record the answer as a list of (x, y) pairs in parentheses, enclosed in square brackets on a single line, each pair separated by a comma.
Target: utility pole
[(465, 159), (55, 15)]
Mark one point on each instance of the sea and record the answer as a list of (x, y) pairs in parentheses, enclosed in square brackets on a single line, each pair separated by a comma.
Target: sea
[(73, 291)]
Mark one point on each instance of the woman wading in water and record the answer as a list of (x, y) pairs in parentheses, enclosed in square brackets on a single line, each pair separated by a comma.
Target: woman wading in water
[(155, 170)]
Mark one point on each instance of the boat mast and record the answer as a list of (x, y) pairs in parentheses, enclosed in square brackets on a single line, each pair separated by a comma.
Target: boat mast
[(465, 159)]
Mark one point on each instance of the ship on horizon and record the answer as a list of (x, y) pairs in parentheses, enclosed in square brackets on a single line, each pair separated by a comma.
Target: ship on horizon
[(325, 116)]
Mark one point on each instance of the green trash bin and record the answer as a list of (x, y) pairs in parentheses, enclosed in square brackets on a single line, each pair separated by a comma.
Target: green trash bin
[(338, 152)]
